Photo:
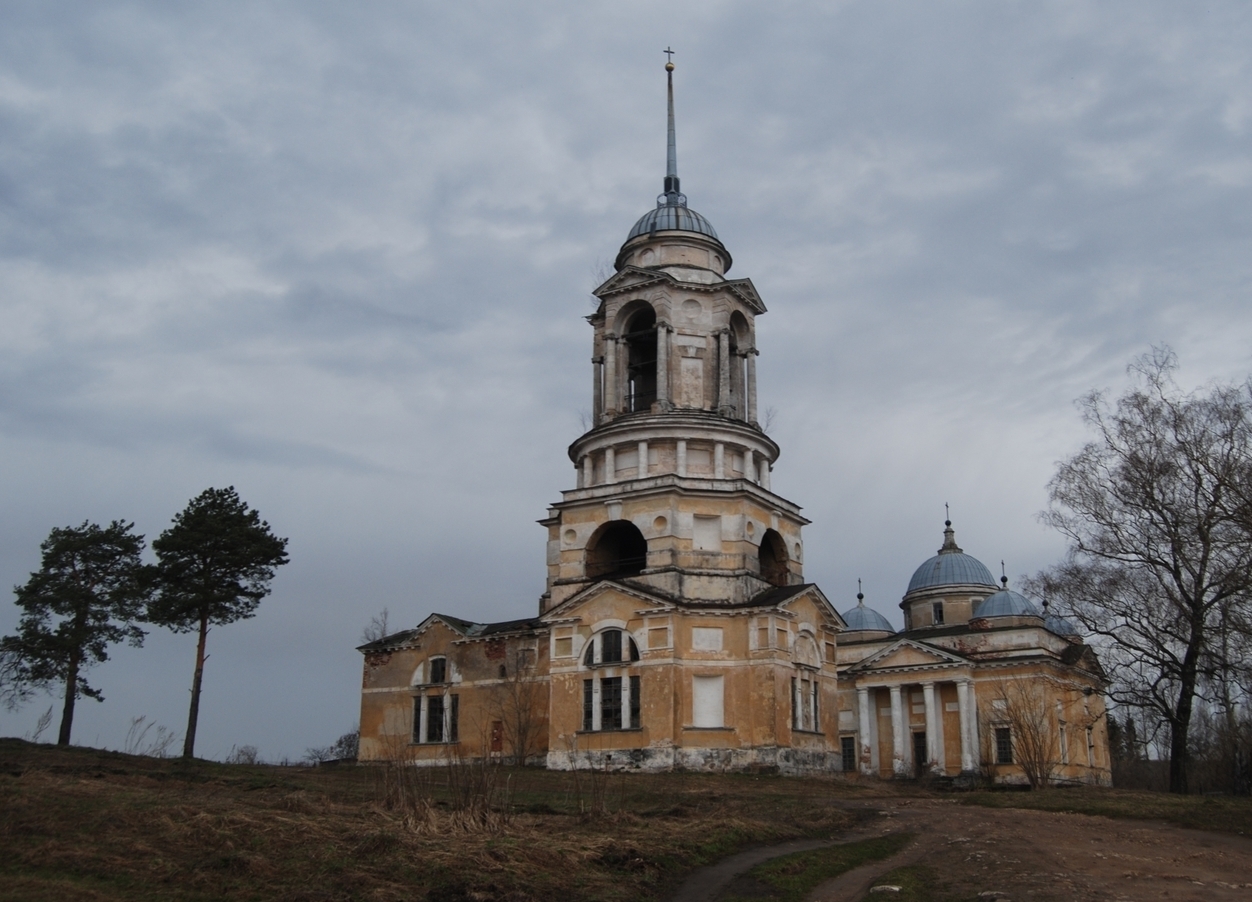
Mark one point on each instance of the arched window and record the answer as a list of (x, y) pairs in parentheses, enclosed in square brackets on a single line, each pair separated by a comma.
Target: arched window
[(640, 339), (611, 647), (617, 548), (611, 697), (773, 559)]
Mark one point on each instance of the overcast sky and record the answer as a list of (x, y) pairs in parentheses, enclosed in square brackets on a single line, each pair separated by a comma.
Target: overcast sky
[(339, 255)]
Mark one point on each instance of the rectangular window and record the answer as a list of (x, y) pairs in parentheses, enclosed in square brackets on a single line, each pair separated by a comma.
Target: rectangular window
[(588, 703), (847, 751), (438, 670), (434, 718), (635, 705), (817, 723), (795, 709), (936, 611), (417, 719), (1064, 747), (611, 646), (611, 703), (1004, 745), (1090, 749), (707, 701), (453, 717)]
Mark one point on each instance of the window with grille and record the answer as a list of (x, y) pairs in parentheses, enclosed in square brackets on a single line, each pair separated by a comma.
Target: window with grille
[(1004, 745), (847, 751), (611, 703)]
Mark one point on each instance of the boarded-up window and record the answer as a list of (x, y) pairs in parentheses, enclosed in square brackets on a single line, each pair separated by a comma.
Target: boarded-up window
[(658, 637), (706, 534), (706, 701), (706, 638), (564, 647)]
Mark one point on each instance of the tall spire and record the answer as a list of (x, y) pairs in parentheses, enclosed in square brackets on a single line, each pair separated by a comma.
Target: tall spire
[(672, 196)]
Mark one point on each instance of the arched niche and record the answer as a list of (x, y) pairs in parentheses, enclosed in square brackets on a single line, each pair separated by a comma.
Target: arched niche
[(773, 559), (639, 336), (617, 548)]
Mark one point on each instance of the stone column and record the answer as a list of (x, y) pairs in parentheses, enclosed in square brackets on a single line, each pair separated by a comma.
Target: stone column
[(749, 465), (589, 471), (610, 376), (447, 716), (610, 466), (597, 389), (962, 704), (662, 365), (641, 470), (751, 391), (765, 468), (863, 750), (681, 454), (719, 461), (932, 727), (898, 766), (723, 374), (421, 717), (595, 704), (974, 741), (625, 702)]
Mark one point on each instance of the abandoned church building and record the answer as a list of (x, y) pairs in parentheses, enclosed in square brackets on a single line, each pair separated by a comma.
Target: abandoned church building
[(677, 630)]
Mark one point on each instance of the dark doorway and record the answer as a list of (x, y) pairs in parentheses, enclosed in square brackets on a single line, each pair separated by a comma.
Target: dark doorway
[(773, 559), (617, 548), (640, 340), (919, 753)]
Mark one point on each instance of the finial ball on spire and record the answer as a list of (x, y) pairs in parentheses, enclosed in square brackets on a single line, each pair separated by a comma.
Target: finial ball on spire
[(669, 67)]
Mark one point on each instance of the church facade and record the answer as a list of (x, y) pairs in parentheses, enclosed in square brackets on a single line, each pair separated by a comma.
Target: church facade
[(676, 629)]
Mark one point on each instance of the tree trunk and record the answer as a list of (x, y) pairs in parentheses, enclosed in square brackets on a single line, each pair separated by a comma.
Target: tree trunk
[(71, 693), (189, 741), (1180, 723)]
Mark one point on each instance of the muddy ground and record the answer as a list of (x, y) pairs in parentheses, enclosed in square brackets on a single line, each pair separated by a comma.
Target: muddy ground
[(1046, 856)]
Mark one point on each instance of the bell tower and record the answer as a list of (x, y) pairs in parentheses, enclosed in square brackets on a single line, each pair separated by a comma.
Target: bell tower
[(673, 479)]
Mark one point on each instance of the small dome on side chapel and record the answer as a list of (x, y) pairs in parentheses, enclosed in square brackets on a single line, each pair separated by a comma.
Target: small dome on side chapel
[(950, 567), (1006, 603), (863, 619)]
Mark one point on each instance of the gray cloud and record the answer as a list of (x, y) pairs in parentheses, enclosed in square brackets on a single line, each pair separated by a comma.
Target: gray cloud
[(339, 258)]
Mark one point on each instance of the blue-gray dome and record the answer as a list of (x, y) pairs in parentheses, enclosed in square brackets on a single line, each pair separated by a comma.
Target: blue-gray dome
[(672, 217), (1006, 603), (950, 567), (1062, 626), (863, 618)]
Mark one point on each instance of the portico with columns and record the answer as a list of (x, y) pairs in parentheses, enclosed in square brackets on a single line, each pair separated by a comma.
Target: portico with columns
[(916, 712)]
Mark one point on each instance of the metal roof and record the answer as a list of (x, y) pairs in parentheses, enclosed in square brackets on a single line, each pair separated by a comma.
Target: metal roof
[(672, 217), (950, 567), (1006, 603), (863, 618)]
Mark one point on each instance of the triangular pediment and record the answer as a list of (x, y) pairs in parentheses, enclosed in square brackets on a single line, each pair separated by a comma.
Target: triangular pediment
[(592, 594), (633, 278), (908, 654), (814, 595)]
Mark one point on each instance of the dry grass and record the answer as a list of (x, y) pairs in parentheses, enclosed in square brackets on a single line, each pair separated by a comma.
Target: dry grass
[(83, 824), (1219, 814)]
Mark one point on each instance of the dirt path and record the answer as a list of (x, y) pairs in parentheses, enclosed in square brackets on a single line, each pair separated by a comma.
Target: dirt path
[(1023, 855), (1046, 856)]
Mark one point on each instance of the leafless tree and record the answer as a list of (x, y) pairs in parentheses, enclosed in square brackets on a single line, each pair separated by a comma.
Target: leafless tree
[(378, 628), (1028, 707), (516, 702), (1158, 513)]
